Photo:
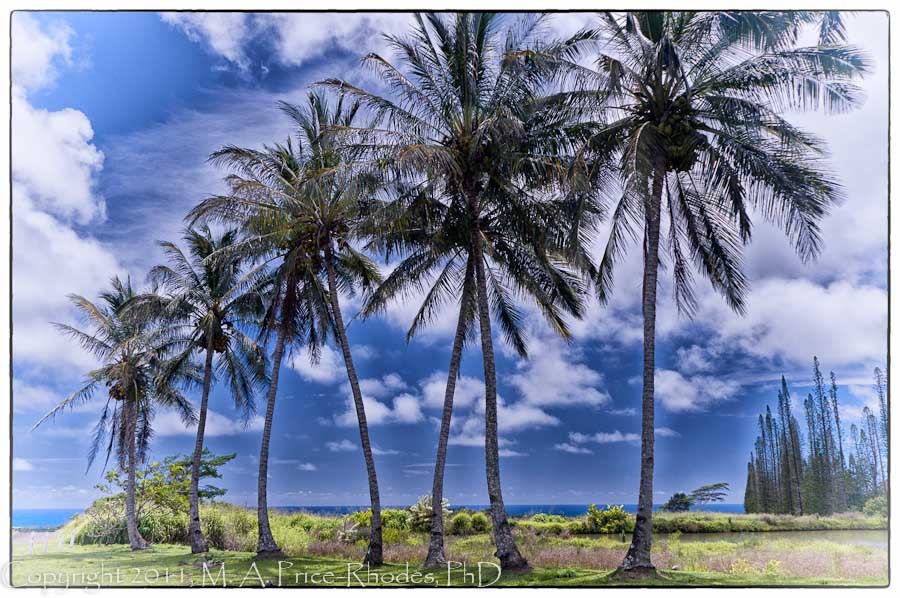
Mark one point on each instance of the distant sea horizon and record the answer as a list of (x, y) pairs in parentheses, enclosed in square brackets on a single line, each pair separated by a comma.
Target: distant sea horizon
[(54, 518)]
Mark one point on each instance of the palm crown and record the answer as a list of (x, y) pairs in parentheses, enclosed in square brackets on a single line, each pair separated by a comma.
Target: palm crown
[(697, 97), (469, 143), (212, 301), (136, 368)]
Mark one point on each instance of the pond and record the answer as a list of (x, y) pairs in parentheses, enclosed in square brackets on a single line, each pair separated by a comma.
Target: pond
[(874, 538)]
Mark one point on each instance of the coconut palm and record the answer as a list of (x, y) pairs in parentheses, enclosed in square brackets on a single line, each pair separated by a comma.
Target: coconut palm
[(476, 154), (136, 370), (295, 200), (296, 304), (214, 301), (692, 105)]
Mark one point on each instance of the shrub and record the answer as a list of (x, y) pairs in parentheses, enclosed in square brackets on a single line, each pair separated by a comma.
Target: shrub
[(461, 524), (420, 513), (548, 518), (876, 506), (397, 519), (611, 520), (480, 523), (391, 535)]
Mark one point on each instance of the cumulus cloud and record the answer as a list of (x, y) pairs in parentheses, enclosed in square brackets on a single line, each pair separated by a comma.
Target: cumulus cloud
[(697, 393), (224, 33), (169, 423), (384, 401), (328, 369), (307, 467), (340, 446), (54, 170), (38, 51), (554, 376), (295, 38)]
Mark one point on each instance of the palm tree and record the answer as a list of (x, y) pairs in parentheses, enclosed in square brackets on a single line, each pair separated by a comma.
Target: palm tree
[(296, 312), (213, 300), (692, 104), (134, 367), (475, 153), (295, 201)]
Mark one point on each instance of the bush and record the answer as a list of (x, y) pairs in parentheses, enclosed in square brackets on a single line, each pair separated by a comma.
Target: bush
[(397, 519), (611, 520), (876, 506), (548, 518), (461, 524), (420, 513), (480, 523)]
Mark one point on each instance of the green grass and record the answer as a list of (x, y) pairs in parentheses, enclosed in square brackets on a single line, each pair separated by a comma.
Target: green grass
[(167, 565), (324, 547), (573, 561)]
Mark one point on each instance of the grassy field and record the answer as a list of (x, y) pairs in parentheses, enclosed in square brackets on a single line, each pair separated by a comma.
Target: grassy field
[(557, 561), (326, 550)]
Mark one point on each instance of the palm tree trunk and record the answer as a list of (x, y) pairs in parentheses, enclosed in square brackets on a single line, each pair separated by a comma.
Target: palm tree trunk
[(198, 542), (637, 558), (436, 556), (266, 544), (135, 539), (510, 557), (374, 555)]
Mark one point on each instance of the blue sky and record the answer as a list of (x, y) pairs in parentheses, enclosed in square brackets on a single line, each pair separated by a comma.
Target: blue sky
[(113, 117)]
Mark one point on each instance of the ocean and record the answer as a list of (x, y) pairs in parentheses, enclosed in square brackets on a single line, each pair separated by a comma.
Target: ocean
[(53, 518)]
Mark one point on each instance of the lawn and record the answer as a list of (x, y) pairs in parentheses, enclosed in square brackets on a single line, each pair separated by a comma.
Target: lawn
[(753, 563)]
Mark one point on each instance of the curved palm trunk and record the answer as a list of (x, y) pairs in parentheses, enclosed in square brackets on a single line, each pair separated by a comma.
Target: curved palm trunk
[(638, 556), (374, 555), (436, 556), (198, 542), (135, 539), (266, 544), (510, 557)]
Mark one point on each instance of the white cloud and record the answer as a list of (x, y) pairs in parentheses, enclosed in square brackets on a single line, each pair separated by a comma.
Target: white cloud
[(342, 446), (20, 464), (604, 437), (677, 393), (571, 448), (377, 450), (224, 33), (307, 467), (296, 38), (468, 391), (33, 397), (666, 433), (37, 51), (169, 423), (405, 410), (54, 159), (54, 169), (694, 359), (329, 368), (843, 323), (553, 376), (303, 37)]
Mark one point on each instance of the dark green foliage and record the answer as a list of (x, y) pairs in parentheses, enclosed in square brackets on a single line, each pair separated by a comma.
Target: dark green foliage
[(611, 520), (678, 502), (833, 476), (461, 524), (480, 523)]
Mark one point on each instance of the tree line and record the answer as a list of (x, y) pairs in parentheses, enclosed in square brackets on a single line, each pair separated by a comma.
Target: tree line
[(811, 469), (487, 169)]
